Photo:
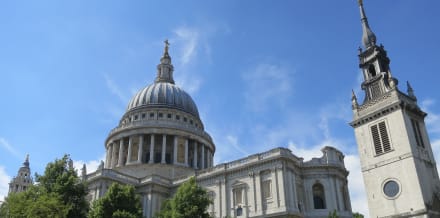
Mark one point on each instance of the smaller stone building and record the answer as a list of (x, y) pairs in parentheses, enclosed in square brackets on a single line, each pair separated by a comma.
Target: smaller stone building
[(23, 179)]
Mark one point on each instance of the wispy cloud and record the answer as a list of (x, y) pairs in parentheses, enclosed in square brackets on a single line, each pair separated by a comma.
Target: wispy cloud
[(8, 147), (4, 181), (193, 46), (267, 85), (189, 39), (114, 89), (335, 111), (233, 140), (187, 43)]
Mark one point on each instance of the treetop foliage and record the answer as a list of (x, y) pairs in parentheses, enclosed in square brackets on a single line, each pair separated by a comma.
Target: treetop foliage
[(120, 201), (190, 201)]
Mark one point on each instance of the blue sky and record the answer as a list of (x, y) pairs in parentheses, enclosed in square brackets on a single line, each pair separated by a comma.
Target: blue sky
[(264, 73)]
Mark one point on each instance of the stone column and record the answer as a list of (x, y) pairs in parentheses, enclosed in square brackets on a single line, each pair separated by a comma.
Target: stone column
[(195, 155), (164, 148), (144, 205), (108, 155), (203, 156), (130, 146), (151, 149), (186, 152), (121, 152), (208, 158), (113, 155), (140, 148)]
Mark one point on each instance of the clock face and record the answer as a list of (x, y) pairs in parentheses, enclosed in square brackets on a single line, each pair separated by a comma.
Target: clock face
[(391, 188)]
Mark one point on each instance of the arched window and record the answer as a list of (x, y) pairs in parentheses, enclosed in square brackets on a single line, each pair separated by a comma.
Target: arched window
[(318, 196), (372, 70)]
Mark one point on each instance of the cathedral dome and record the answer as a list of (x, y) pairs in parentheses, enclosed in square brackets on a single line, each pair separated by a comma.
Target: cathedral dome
[(163, 94)]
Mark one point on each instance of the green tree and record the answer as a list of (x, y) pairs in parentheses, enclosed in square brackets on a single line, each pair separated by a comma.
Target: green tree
[(190, 201), (62, 179), (120, 201), (333, 214), (36, 203), (358, 215)]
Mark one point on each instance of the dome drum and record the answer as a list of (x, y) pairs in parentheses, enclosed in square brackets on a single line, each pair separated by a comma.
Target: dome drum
[(159, 148)]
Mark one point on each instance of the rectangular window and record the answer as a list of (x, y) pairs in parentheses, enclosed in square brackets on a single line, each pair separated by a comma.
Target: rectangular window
[(267, 192), (381, 139), (238, 196), (417, 133)]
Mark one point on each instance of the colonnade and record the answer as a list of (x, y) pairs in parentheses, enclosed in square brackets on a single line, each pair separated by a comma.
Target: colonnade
[(158, 148)]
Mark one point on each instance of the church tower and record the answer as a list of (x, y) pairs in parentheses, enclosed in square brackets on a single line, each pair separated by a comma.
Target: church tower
[(398, 165), (23, 179)]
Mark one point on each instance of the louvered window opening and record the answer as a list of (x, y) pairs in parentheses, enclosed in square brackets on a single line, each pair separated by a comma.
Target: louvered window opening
[(381, 139)]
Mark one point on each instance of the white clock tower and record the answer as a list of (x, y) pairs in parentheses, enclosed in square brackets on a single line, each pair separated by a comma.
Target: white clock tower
[(398, 165)]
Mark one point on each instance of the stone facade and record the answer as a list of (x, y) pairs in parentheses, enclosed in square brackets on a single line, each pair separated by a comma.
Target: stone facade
[(23, 180), (160, 142), (398, 165)]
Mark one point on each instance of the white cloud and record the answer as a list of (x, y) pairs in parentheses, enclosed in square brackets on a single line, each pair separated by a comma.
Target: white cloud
[(306, 153), (189, 39), (436, 150), (91, 165), (332, 111), (114, 89), (4, 183), (356, 186), (433, 119), (187, 42), (266, 85), (8, 147), (234, 142)]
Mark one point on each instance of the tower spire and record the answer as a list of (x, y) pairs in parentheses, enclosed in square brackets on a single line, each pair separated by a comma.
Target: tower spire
[(368, 37), (26, 161), (165, 68)]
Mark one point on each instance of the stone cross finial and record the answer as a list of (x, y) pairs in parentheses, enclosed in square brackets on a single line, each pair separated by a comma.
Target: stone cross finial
[(167, 45)]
